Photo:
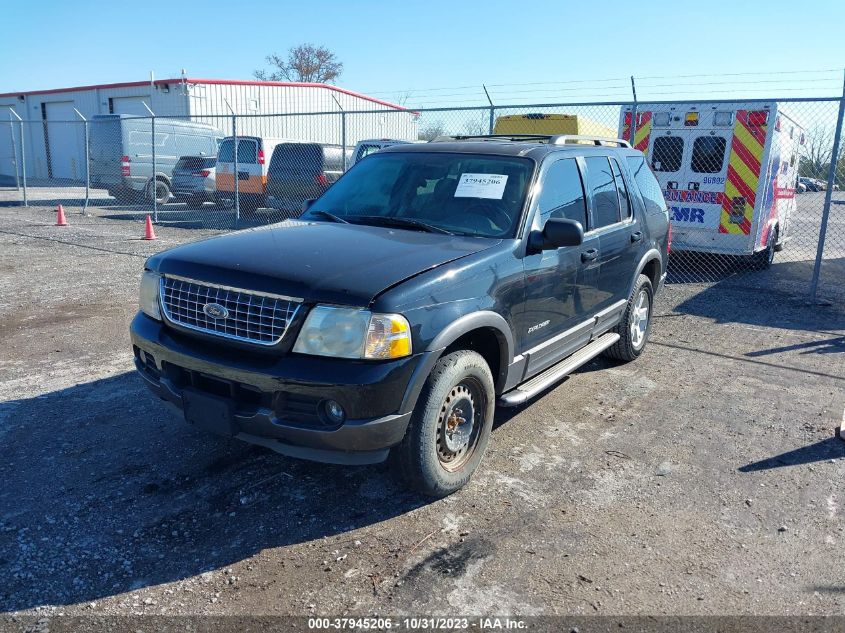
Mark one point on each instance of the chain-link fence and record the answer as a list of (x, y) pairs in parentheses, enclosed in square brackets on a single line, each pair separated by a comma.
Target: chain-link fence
[(753, 187)]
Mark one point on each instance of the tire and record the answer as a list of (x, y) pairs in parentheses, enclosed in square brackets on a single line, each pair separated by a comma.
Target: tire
[(431, 461), (763, 260), (633, 335), (162, 191)]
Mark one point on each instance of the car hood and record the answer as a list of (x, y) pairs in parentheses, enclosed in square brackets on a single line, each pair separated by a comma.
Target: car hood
[(346, 264)]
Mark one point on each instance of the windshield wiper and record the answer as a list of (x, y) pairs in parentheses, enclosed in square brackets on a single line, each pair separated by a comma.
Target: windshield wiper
[(390, 220), (329, 216)]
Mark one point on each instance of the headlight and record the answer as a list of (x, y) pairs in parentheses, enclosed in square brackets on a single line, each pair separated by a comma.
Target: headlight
[(352, 333), (149, 294)]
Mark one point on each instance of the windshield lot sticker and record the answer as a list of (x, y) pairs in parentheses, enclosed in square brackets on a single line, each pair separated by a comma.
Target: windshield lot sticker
[(491, 186)]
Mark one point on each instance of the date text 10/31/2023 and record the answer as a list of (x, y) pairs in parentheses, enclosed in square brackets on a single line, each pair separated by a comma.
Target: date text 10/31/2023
[(420, 623)]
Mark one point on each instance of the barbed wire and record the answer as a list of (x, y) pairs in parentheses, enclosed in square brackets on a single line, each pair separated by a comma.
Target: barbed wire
[(610, 88)]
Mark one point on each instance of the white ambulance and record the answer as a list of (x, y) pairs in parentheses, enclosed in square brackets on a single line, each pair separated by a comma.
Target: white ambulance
[(728, 172)]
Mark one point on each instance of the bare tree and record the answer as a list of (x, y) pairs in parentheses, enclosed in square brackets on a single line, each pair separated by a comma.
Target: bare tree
[(818, 147), (432, 130), (305, 63), (478, 125), (402, 98)]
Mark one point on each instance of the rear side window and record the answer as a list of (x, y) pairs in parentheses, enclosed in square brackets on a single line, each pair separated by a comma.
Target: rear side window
[(562, 195), (624, 202), (647, 184), (297, 157), (667, 153), (194, 163), (603, 187), (247, 152), (708, 154)]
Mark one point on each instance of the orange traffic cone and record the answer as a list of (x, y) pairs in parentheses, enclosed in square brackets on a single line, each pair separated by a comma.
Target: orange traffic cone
[(61, 220), (149, 234)]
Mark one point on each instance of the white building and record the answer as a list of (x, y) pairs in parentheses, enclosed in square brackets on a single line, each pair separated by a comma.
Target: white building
[(54, 134)]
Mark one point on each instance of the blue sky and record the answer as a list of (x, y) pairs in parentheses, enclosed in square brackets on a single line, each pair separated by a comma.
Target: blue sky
[(442, 51)]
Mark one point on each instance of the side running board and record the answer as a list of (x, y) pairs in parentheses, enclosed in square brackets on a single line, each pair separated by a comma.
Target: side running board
[(555, 373)]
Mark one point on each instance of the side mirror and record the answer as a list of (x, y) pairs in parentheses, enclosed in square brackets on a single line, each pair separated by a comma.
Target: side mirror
[(555, 234), (308, 203)]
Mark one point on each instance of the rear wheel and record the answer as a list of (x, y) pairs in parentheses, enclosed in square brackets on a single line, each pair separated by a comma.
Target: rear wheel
[(764, 259), (450, 427), (635, 325), (161, 191)]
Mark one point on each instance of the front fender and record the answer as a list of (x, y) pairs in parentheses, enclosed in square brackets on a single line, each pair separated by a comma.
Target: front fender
[(482, 319)]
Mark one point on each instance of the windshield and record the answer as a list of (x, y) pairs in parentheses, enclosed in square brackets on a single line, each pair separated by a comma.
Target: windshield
[(467, 194)]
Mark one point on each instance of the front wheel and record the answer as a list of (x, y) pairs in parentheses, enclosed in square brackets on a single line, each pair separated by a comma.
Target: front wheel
[(450, 427), (635, 325)]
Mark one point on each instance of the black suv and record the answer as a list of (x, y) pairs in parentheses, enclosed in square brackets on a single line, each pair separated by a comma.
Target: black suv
[(430, 283)]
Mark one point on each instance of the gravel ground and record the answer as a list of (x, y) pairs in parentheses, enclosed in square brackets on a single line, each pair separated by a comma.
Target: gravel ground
[(705, 478)]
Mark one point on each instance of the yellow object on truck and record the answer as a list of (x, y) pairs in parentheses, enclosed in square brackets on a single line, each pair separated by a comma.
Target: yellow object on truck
[(539, 123)]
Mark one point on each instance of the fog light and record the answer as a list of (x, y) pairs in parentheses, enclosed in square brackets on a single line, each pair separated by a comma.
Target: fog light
[(334, 412)]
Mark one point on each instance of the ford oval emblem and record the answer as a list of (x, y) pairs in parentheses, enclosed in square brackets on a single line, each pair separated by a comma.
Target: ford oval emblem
[(215, 311)]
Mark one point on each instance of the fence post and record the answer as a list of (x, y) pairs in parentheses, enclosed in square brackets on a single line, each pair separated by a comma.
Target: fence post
[(831, 176), (155, 166), (633, 114), (235, 156), (14, 152), (23, 158), (87, 163), (491, 122), (343, 138)]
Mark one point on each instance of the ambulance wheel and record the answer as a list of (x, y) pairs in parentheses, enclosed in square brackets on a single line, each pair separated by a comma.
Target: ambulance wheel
[(764, 259)]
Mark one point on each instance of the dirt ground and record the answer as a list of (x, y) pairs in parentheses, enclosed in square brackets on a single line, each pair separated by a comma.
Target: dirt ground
[(705, 478)]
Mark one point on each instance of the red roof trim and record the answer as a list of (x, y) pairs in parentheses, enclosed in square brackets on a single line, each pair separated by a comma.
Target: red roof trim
[(222, 82)]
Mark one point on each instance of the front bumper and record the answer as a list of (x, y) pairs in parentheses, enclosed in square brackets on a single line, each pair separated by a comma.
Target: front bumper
[(275, 399)]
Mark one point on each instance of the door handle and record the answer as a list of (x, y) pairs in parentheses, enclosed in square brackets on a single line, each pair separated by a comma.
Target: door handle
[(636, 236), (589, 255)]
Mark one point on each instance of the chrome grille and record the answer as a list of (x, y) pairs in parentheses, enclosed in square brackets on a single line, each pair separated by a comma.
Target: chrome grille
[(252, 317)]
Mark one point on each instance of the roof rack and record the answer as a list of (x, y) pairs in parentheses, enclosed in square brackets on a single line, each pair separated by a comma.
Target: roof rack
[(492, 137), (563, 139), (551, 139)]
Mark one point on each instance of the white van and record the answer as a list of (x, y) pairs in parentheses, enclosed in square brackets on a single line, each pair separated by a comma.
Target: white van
[(254, 154), (122, 155)]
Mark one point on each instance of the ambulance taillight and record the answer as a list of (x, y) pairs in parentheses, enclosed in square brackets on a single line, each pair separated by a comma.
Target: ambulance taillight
[(758, 118)]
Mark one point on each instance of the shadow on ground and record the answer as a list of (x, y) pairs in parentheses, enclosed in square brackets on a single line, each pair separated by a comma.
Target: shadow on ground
[(786, 277), (731, 303), (106, 490), (830, 448)]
